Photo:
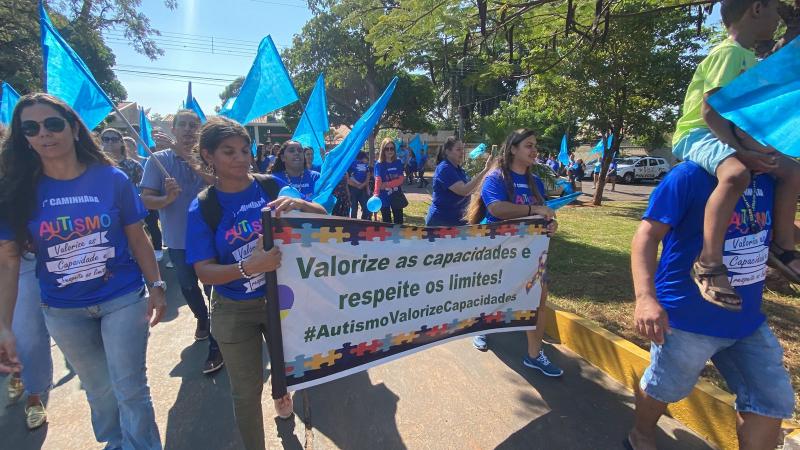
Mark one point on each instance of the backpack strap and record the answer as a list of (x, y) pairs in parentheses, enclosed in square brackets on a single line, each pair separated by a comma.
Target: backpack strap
[(269, 184), (210, 208)]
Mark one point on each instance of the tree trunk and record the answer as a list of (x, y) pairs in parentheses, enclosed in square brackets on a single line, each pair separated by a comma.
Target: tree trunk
[(616, 131)]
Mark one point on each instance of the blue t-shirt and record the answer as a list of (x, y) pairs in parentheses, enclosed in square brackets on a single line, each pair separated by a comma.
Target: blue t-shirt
[(598, 166), (494, 190), (358, 171), (234, 238), (265, 163), (173, 216), (447, 207), (679, 201), (78, 231), (553, 165), (388, 171), (304, 183)]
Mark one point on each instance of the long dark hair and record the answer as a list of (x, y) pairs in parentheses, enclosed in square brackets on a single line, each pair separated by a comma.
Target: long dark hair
[(21, 168), (278, 165), (477, 208), (448, 145)]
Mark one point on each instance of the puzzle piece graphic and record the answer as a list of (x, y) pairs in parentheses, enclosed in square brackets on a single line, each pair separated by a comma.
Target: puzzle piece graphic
[(447, 232), (438, 330), (413, 233), (307, 234), (327, 234), (463, 233), (386, 343), (478, 231), (404, 338), (536, 229), (508, 316), (374, 233), (453, 326), (524, 315), (364, 348), (298, 368), (286, 235), (466, 323), (397, 234), (494, 318), (329, 359)]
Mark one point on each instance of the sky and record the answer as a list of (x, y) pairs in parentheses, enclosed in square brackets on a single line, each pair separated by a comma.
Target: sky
[(209, 42)]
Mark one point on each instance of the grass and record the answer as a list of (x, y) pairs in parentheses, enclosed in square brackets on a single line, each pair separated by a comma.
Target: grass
[(589, 265)]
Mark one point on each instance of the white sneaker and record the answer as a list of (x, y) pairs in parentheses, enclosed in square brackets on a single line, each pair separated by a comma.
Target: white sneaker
[(170, 265), (159, 255)]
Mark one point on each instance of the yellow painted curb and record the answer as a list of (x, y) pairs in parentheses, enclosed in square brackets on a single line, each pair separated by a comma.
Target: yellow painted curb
[(708, 410)]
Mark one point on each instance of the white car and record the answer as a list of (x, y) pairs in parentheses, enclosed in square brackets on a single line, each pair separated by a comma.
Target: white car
[(647, 168)]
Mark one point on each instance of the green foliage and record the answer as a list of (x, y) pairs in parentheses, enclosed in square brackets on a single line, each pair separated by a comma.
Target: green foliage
[(231, 90)]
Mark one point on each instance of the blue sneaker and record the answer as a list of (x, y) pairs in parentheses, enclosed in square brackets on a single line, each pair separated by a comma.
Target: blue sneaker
[(479, 342), (544, 364)]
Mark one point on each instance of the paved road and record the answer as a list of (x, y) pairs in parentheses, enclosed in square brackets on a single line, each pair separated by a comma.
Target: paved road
[(451, 396)]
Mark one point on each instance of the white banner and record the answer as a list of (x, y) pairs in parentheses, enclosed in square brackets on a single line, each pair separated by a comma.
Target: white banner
[(356, 294)]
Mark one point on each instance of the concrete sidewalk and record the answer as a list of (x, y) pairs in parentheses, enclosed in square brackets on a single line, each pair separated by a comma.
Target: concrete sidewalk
[(451, 396)]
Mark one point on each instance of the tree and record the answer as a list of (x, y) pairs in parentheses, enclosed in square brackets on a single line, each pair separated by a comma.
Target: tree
[(354, 78), (231, 90), (81, 26)]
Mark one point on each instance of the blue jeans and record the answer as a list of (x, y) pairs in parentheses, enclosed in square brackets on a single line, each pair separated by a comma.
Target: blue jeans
[(33, 340), (187, 278), (752, 368), (106, 344), (358, 197)]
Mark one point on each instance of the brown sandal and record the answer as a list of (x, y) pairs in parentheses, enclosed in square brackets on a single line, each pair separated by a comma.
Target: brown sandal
[(722, 296), (780, 258)]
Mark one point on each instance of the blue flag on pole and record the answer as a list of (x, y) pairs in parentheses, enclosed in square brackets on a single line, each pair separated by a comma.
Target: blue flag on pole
[(68, 78), (8, 101), (191, 103), (477, 151), (763, 100), (310, 131), (146, 132), (254, 149), (416, 145), (563, 155), (266, 88), (560, 202), (599, 147), (340, 158)]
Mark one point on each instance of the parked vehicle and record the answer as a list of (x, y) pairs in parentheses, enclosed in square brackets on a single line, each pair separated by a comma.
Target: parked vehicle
[(647, 168), (630, 160)]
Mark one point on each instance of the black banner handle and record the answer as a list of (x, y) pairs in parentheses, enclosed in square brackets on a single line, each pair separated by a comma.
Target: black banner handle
[(275, 341)]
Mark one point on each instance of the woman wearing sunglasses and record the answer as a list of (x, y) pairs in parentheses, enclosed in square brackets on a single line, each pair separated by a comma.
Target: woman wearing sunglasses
[(114, 146), (389, 183), (83, 219), (290, 167)]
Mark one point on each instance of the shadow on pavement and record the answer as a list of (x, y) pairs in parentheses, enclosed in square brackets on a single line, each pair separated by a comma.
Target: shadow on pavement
[(583, 412), (355, 414), (202, 415), (12, 423)]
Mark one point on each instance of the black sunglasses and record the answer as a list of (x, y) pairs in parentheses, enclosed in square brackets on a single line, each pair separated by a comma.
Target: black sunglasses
[(31, 128), (109, 139)]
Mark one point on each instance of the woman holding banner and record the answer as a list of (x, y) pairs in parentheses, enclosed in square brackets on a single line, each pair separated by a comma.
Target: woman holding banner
[(389, 183), (451, 186), (83, 218), (511, 191), (227, 252), (290, 167)]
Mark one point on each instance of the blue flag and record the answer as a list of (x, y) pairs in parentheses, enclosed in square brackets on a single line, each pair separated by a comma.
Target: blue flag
[(254, 149), (477, 151), (763, 100), (416, 145), (563, 155), (599, 147), (340, 158), (310, 131), (146, 132), (266, 88), (68, 78), (8, 101), (191, 103), (560, 202)]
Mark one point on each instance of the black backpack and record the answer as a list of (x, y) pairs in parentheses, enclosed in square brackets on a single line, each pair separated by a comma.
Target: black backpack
[(212, 211)]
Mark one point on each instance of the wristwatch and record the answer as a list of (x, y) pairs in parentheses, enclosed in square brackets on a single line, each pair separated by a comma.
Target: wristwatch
[(158, 284)]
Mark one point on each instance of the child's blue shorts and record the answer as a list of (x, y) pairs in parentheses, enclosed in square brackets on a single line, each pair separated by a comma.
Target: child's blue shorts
[(703, 148)]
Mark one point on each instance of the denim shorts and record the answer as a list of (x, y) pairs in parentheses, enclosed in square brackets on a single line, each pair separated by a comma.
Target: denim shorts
[(752, 368), (703, 148)]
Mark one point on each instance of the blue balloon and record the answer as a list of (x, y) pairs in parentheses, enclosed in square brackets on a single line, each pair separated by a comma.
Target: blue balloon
[(374, 204), (289, 191)]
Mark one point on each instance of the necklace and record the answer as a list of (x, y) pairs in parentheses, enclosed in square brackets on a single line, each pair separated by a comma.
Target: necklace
[(750, 207)]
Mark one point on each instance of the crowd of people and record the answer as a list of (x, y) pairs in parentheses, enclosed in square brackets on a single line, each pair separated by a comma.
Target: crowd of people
[(83, 220)]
